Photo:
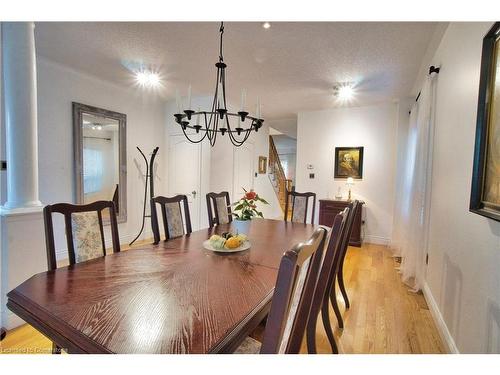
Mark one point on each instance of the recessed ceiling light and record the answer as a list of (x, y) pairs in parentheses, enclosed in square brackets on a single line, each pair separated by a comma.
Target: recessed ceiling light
[(344, 91), (147, 78), (266, 25)]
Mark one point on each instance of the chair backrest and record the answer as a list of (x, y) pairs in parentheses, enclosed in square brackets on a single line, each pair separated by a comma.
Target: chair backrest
[(172, 216), (218, 204), (354, 207), (300, 203), (84, 231), (329, 265), (293, 295)]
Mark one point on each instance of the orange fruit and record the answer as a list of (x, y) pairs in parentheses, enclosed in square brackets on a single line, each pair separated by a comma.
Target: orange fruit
[(232, 243)]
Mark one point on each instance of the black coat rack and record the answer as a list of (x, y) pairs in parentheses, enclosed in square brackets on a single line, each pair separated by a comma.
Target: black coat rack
[(150, 181)]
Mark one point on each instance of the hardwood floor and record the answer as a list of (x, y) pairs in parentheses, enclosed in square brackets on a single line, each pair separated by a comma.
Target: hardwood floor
[(384, 316)]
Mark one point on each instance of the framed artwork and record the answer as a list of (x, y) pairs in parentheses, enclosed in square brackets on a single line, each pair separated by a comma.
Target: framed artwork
[(348, 162), (485, 191), (262, 164)]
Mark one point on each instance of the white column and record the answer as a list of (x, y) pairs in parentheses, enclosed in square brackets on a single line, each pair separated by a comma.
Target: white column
[(22, 255), (20, 111)]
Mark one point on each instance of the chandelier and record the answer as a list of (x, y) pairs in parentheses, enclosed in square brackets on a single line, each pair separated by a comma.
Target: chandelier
[(207, 124)]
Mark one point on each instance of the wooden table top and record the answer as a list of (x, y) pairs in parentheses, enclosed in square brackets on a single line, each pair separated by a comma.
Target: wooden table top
[(175, 297)]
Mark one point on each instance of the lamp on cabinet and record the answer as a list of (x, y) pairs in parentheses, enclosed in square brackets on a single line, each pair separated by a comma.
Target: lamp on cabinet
[(349, 183)]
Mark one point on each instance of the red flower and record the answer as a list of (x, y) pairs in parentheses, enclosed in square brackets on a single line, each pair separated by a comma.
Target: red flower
[(250, 195)]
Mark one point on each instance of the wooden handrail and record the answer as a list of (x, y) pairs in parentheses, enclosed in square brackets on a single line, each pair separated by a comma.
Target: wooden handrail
[(276, 169)]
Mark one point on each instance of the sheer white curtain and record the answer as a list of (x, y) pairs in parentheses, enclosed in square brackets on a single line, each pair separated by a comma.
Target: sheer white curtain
[(411, 210)]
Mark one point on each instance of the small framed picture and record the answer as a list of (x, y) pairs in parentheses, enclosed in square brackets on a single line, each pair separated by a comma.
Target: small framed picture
[(262, 164), (348, 162)]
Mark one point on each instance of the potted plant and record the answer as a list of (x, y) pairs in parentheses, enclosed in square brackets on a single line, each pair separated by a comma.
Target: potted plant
[(246, 207)]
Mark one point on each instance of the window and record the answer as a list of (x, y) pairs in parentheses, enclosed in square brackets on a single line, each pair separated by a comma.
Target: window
[(92, 170)]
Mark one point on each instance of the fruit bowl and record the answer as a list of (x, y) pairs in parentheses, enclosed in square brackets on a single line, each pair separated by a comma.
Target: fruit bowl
[(244, 246), (227, 243)]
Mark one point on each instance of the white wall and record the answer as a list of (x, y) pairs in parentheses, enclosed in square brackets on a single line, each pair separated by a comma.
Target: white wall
[(374, 128), (58, 86), (463, 274)]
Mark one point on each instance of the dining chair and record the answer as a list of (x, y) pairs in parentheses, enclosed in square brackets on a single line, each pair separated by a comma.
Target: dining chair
[(355, 207), (172, 217), (300, 202), (320, 298), (334, 276), (84, 231), (218, 204), (292, 299)]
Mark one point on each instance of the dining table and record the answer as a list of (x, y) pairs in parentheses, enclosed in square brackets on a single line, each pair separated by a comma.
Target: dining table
[(174, 297)]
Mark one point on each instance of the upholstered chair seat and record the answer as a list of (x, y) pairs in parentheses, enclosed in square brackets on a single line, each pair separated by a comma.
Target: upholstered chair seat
[(249, 346)]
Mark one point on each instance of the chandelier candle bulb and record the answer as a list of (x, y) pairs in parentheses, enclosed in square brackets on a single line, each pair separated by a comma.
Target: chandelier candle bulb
[(178, 101), (198, 117), (189, 97), (257, 110), (243, 99)]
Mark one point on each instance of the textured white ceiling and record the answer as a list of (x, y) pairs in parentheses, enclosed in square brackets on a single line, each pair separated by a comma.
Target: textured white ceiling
[(292, 66)]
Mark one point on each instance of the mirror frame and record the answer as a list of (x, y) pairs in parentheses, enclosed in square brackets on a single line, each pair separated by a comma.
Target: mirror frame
[(78, 110)]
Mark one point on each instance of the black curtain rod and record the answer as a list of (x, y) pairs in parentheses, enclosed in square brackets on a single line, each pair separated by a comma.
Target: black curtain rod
[(432, 69)]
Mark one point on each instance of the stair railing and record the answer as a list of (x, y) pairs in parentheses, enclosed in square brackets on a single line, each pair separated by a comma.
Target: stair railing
[(277, 175)]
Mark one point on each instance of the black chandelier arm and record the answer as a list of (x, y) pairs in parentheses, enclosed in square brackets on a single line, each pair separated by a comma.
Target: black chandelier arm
[(237, 142), (232, 114), (227, 129), (189, 138)]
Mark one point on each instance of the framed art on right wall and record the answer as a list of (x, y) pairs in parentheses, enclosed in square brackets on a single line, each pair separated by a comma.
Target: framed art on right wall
[(348, 162), (485, 192)]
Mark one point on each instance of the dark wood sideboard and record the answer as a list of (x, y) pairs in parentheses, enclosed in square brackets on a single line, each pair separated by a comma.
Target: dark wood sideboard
[(329, 208)]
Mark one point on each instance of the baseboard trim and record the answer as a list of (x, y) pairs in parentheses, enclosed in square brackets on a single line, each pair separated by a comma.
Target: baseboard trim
[(445, 334), (63, 253), (378, 240)]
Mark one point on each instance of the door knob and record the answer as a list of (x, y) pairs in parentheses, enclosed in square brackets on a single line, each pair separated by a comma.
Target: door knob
[(194, 193)]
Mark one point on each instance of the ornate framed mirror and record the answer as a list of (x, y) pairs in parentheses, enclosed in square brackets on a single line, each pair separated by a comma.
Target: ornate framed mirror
[(100, 157)]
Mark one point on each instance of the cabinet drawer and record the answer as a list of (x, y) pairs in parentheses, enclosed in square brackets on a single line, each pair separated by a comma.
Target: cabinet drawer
[(332, 206)]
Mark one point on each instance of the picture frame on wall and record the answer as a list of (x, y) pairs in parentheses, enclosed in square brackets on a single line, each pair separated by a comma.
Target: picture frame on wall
[(262, 165), (485, 190), (348, 162)]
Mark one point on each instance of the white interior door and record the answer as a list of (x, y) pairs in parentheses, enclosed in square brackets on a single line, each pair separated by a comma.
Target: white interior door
[(184, 175), (243, 169)]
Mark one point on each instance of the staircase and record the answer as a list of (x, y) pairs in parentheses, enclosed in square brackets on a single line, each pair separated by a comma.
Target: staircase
[(277, 176)]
